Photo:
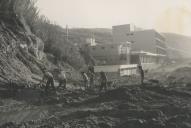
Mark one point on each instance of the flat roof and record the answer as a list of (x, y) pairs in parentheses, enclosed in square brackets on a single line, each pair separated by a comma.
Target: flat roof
[(113, 68), (146, 53), (110, 44)]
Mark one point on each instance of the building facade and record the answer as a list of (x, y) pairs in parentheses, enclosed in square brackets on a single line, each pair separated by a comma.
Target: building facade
[(131, 46), (148, 46)]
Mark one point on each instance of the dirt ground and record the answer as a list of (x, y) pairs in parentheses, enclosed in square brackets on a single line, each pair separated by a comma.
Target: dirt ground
[(157, 104)]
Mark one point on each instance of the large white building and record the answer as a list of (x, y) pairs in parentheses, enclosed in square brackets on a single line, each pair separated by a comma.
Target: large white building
[(147, 46), (130, 46)]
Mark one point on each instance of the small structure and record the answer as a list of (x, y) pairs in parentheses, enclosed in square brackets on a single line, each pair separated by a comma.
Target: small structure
[(116, 71), (111, 54), (91, 41)]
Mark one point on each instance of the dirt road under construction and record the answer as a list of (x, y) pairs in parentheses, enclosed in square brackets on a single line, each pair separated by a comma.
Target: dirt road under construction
[(155, 105)]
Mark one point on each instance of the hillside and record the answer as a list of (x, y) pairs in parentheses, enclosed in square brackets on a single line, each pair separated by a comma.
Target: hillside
[(22, 54), (176, 40), (20, 49), (178, 45), (180, 42), (173, 40), (79, 35)]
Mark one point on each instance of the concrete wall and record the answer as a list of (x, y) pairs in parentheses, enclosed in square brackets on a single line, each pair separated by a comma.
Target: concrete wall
[(148, 41), (143, 41), (120, 32)]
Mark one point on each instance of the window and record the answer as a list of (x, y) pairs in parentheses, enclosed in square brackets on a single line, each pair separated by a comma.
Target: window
[(103, 47), (130, 34)]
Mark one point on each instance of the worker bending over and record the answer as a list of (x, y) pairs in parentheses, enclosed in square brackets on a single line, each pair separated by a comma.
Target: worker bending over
[(85, 79), (103, 81), (62, 79), (91, 77), (141, 71), (48, 78)]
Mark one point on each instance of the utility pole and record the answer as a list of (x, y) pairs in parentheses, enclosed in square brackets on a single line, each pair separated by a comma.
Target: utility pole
[(92, 38), (67, 32)]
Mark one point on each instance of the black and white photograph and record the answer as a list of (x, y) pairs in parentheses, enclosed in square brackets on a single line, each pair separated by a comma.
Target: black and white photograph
[(95, 63)]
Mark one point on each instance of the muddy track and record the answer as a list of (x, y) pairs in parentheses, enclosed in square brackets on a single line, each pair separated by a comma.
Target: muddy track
[(128, 106)]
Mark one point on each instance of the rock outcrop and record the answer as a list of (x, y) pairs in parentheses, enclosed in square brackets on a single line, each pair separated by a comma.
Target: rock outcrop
[(20, 50)]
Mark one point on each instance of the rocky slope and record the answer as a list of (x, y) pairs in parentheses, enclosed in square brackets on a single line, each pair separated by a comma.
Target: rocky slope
[(21, 51)]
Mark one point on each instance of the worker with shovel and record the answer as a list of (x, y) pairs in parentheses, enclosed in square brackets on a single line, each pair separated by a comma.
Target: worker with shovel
[(103, 81), (141, 72), (48, 78), (91, 75), (62, 79), (85, 80)]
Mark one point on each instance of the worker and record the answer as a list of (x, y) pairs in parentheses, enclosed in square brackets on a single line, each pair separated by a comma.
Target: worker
[(141, 71), (8, 49), (85, 79), (91, 75), (103, 81), (48, 78), (62, 79), (91, 69)]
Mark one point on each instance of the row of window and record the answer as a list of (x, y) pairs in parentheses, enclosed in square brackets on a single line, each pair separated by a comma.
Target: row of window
[(159, 36), (147, 59), (160, 43), (94, 48), (161, 51), (130, 34), (128, 72)]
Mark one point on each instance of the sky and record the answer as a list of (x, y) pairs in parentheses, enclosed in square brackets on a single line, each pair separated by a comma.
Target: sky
[(162, 15)]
